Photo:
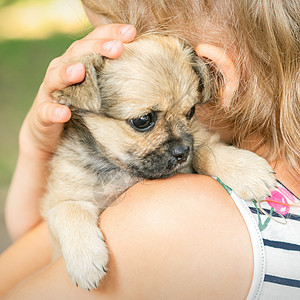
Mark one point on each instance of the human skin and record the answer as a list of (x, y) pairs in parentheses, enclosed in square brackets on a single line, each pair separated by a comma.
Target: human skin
[(43, 125), (179, 238)]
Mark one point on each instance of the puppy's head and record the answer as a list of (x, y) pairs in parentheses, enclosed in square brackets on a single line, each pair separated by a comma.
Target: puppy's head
[(140, 107)]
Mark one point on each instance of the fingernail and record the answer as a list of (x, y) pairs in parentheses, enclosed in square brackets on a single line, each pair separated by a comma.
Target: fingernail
[(108, 46), (73, 71), (60, 113), (70, 70), (128, 31)]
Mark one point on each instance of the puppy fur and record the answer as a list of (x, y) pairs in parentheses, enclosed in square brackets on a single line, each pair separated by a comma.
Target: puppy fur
[(132, 119)]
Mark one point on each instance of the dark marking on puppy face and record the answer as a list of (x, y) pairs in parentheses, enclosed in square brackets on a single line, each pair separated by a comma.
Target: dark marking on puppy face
[(85, 148), (147, 106), (76, 127), (164, 161)]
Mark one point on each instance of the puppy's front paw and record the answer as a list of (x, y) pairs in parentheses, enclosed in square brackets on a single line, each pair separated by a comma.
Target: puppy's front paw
[(251, 176), (86, 260)]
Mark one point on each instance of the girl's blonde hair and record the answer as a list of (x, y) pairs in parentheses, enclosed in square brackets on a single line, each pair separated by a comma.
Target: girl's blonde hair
[(264, 37)]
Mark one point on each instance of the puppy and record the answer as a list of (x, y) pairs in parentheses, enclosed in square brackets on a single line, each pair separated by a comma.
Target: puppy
[(133, 119)]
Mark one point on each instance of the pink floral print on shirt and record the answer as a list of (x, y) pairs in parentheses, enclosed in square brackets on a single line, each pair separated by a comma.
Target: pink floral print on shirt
[(281, 200), (280, 203)]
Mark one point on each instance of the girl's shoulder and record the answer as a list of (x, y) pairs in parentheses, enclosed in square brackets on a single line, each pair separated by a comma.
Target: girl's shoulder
[(184, 232)]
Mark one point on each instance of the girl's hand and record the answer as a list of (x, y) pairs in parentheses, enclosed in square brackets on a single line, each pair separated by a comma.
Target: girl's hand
[(43, 125)]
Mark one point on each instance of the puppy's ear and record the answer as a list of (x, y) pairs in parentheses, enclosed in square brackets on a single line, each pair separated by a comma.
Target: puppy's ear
[(207, 78), (86, 94)]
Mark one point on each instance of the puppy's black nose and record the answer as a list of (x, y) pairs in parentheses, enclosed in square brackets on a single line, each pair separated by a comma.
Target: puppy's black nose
[(180, 152)]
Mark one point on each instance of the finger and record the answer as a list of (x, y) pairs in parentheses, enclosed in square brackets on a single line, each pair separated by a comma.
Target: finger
[(122, 32), (50, 113), (106, 40), (73, 73), (61, 114), (60, 77), (110, 48)]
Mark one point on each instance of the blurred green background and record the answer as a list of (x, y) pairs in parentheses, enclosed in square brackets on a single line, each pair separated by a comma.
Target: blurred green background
[(32, 33)]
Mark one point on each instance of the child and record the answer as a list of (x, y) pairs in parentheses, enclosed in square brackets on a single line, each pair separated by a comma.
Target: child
[(184, 237)]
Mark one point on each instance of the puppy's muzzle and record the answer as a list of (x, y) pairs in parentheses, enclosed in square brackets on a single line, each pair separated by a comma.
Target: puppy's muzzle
[(165, 161), (180, 152)]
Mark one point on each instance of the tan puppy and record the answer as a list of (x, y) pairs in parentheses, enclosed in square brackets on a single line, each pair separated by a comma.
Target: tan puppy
[(133, 119)]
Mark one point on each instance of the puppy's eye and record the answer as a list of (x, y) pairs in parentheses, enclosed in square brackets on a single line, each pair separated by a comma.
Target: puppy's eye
[(144, 123), (191, 113)]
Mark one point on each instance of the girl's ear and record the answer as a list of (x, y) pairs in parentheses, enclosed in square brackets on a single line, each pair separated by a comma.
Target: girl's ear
[(226, 67)]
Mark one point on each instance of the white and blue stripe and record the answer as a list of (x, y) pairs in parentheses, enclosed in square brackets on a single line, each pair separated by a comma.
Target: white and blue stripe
[(281, 251)]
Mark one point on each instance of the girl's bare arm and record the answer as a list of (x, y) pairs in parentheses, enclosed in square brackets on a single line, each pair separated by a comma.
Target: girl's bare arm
[(179, 238)]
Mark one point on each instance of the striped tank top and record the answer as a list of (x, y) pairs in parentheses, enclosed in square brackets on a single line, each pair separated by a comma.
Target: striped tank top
[(274, 228)]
